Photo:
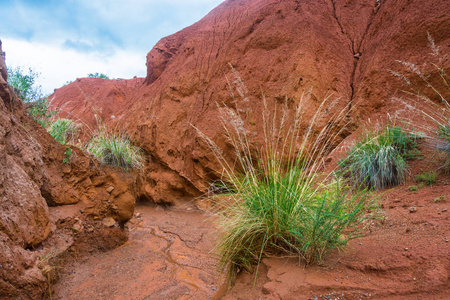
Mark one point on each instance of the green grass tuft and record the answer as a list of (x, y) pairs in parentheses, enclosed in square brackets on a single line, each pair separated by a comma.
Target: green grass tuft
[(379, 159), (439, 199), (428, 178), (115, 150), (413, 188), (67, 154), (287, 213), (64, 130)]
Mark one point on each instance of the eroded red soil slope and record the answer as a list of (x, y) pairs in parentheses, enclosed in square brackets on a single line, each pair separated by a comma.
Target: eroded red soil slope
[(35, 176)]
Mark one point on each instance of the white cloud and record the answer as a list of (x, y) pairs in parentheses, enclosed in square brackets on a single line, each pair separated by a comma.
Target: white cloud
[(68, 39), (58, 65)]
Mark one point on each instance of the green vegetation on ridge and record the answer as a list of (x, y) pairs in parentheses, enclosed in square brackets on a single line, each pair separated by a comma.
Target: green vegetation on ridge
[(24, 84)]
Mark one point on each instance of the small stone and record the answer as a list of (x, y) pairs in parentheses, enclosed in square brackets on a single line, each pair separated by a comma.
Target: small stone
[(412, 209), (406, 249), (89, 228), (108, 222), (110, 189), (77, 226), (444, 210)]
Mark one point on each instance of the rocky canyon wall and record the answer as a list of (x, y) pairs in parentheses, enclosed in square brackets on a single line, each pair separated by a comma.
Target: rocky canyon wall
[(34, 177)]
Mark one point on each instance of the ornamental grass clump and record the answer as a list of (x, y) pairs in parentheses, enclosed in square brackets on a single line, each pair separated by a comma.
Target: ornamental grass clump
[(115, 150), (378, 160), (64, 130), (279, 202)]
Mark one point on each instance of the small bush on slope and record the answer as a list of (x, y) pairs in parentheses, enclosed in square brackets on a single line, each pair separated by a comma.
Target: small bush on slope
[(40, 111), (279, 201), (115, 150), (64, 130), (379, 159)]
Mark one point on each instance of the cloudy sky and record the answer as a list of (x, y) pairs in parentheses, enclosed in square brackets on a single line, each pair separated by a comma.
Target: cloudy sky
[(67, 39)]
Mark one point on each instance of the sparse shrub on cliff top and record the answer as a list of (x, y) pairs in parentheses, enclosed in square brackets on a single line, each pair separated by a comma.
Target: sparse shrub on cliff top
[(115, 150), (379, 159), (279, 203), (24, 84), (98, 75), (64, 130)]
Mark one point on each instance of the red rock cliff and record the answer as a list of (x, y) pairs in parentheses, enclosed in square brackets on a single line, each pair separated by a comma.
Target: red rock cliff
[(280, 48)]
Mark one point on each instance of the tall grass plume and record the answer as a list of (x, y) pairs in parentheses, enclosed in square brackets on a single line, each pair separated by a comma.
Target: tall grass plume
[(280, 202), (427, 92)]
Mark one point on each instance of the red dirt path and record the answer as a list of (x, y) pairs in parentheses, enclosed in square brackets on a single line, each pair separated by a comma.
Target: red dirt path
[(167, 256)]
